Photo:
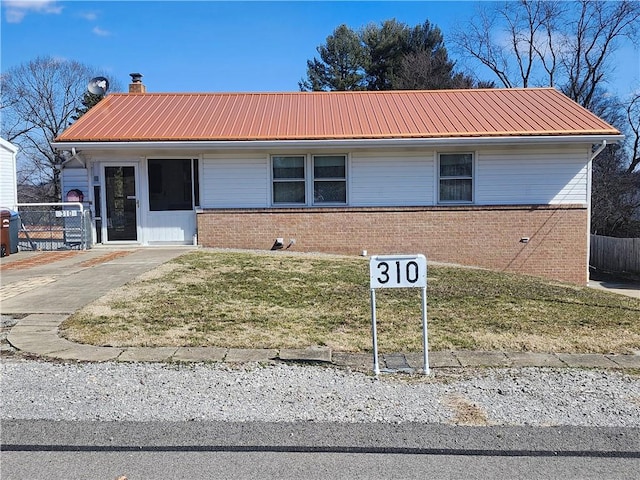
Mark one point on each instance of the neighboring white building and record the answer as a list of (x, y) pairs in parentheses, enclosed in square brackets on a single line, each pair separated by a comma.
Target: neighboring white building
[(8, 175)]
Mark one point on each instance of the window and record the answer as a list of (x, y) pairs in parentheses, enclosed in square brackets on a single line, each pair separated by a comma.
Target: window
[(329, 179), (456, 177), (288, 180), (292, 183), (172, 184)]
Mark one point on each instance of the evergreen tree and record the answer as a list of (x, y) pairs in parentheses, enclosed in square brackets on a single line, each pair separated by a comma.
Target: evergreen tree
[(88, 101), (389, 56), (341, 65)]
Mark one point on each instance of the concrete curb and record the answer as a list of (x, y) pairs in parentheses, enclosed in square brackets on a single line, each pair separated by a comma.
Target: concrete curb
[(38, 334)]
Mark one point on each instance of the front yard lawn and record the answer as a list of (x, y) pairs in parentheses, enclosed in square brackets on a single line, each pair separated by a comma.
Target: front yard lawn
[(286, 300)]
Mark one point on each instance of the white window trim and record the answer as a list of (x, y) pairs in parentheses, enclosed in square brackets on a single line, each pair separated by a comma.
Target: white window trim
[(289, 180), (438, 178), (310, 180), (145, 173), (327, 179)]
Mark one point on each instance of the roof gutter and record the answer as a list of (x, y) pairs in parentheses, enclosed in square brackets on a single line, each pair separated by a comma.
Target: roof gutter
[(337, 143), (75, 155), (598, 150)]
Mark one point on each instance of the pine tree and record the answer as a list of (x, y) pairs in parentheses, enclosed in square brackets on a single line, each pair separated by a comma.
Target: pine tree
[(389, 56), (88, 101)]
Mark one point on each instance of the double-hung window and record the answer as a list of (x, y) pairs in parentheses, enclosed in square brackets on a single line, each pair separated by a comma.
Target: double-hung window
[(309, 179), (329, 179), (289, 179), (456, 177)]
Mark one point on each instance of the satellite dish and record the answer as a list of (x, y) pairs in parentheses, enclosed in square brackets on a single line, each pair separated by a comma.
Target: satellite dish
[(98, 85)]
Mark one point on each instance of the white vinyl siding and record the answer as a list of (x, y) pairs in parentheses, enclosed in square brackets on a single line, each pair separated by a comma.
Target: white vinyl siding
[(235, 181), (8, 184), (170, 227), (528, 175), (392, 179), (519, 176), (75, 179)]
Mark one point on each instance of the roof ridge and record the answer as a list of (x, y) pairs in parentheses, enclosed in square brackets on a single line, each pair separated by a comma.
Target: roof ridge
[(335, 92)]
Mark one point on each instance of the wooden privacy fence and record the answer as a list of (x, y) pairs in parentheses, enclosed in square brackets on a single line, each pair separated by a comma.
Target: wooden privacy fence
[(615, 254)]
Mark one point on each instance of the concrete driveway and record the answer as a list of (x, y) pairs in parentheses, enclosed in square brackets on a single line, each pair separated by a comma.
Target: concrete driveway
[(61, 282), (615, 285)]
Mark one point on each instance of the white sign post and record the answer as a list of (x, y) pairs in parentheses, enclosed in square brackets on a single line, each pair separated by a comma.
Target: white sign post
[(398, 271)]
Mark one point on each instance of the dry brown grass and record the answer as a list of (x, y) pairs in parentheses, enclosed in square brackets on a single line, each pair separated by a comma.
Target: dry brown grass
[(281, 300), (465, 412)]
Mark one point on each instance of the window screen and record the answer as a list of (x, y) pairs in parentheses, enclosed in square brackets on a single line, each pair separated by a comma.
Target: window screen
[(170, 185), (456, 177)]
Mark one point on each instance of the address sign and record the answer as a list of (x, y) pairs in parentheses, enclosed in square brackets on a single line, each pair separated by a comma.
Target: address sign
[(398, 271)]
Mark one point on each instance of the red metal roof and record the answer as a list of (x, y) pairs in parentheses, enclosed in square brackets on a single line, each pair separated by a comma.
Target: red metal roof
[(334, 115)]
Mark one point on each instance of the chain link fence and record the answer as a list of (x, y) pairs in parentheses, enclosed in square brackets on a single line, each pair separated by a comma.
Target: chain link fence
[(54, 226)]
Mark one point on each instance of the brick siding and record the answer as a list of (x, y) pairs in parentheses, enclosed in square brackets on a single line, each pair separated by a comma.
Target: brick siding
[(484, 236)]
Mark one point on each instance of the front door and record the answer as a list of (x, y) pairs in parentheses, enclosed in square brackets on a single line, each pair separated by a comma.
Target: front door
[(121, 204)]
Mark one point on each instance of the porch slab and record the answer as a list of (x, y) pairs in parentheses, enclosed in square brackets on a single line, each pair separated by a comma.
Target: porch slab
[(241, 355), (200, 354), (311, 354), (147, 354), (587, 360)]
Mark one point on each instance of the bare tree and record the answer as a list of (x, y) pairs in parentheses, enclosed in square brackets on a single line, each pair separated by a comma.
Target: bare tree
[(475, 41), (531, 26), (423, 70), (615, 196), (594, 34), (515, 40), (549, 43), (39, 99), (633, 117)]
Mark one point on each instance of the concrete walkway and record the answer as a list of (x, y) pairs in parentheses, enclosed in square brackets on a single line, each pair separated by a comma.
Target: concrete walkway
[(47, 287), (629, 289)]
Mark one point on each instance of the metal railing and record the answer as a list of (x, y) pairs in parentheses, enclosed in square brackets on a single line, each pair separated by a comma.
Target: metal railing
[(54, 226)]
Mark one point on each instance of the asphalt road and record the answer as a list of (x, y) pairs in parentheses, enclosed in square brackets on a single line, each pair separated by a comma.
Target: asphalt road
[(197, 450), (267, 465)]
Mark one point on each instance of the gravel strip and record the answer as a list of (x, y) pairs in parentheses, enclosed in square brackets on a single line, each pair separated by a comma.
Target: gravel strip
[(279, 392)]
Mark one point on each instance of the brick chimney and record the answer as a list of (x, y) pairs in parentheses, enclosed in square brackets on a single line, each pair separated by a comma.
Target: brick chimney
[(136, 85)]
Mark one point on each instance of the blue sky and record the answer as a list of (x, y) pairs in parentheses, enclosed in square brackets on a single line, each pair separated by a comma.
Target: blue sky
[(206, 46)]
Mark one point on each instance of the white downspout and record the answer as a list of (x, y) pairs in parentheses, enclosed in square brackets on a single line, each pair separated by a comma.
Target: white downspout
[(598, 150), (593, 155)]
